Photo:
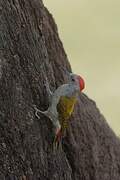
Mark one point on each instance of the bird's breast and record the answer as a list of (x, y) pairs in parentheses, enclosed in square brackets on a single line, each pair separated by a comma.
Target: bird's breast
[(65, 106)]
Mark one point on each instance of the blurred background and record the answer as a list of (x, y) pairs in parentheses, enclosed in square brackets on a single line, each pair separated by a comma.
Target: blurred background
[(90, 32)]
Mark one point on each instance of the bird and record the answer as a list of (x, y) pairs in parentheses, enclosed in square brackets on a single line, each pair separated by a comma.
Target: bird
[(62, 103)]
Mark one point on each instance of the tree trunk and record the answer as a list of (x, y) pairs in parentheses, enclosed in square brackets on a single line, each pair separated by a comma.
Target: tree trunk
[(30, 52)]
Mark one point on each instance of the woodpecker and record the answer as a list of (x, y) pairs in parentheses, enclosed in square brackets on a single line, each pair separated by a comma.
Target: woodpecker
[(62, 103)]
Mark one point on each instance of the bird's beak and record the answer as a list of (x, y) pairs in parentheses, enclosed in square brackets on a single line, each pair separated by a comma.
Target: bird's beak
[(81, 83)]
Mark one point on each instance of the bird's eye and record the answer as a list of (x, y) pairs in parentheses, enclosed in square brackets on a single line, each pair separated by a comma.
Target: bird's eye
[(73, 79)]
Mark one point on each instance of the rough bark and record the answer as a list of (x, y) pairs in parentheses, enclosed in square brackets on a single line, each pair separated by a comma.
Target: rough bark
[(30, 51)]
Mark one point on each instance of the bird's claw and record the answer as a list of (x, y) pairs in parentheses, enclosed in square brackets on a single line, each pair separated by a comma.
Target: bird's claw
[(36, 111), (48, 87)]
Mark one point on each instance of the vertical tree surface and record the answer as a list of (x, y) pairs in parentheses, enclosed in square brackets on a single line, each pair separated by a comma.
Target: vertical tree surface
[(30, 52)]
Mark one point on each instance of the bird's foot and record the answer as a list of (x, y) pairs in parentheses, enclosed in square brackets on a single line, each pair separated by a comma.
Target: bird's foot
[(48, 87), (36, 111), (49, 92)]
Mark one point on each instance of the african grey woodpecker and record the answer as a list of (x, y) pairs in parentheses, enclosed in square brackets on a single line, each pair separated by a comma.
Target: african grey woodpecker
[(62, 103)]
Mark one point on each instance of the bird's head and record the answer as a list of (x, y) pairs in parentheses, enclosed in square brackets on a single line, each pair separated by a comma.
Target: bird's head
[(75, 79), (78, 81)]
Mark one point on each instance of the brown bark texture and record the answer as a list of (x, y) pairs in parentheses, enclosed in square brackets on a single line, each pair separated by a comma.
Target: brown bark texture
[(30, 52)]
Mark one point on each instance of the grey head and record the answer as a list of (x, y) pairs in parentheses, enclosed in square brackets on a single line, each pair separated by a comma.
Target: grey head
[(75, 80)]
